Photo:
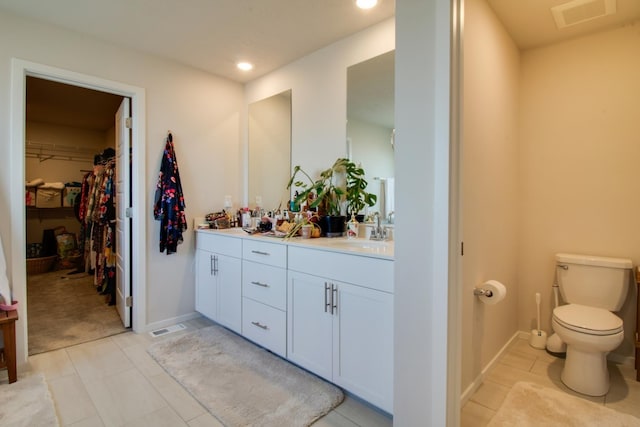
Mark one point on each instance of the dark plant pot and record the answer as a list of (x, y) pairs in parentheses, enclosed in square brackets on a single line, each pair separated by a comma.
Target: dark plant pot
[(332, 226)]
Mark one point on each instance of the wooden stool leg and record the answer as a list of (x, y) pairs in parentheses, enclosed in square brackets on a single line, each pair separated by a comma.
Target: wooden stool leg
[(9, 334)]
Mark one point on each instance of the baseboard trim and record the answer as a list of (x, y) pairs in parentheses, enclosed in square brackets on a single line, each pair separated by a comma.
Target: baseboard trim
[(621, 360), (477, 382)]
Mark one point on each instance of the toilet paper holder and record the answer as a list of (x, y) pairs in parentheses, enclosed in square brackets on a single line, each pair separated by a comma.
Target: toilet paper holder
[(490, 292), (483, 292)]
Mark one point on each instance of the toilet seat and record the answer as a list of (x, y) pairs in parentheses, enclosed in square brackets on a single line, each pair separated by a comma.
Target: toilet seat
[(588, 320)]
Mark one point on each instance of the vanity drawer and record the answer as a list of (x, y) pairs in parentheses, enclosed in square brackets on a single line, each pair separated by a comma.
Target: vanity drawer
[(265, 283), (224, 245), (265, 325), (265, 253), (356, 269)]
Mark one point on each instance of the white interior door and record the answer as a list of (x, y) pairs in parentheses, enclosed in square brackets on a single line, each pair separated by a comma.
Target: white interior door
[(123, 203)]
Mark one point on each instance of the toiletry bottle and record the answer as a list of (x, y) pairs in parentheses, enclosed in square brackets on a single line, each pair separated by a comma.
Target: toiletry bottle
[(246, 218), (294, 206), (352, 227)]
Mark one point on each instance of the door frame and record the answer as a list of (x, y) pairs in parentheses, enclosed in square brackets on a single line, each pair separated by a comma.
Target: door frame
[(20, 69)]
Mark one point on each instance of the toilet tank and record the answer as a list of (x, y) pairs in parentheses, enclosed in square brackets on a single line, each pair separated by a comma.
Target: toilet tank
[(593, 280)]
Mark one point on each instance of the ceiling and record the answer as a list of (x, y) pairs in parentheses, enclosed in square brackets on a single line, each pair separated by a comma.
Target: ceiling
[(58, 103), (213, 35), (531, 24)]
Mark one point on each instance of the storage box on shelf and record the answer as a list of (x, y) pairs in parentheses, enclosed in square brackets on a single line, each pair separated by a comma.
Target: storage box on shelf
[(30, 196), (70, 194), (48, 198)]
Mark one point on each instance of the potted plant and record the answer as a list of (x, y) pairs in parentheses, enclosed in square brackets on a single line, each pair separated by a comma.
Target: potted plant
[(297, 228), (357, 195), (342, 183)]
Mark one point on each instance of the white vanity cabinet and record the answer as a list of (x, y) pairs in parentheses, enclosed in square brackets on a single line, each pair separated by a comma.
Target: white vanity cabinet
[(218, 279), (264, 294), (340, 320)]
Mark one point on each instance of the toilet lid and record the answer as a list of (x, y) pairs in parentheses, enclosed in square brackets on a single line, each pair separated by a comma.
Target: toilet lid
[(588, 320)]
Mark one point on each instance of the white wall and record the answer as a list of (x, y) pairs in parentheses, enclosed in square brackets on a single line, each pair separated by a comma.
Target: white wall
[(422, 363), (489, 185), (579, 162), (202, 111)]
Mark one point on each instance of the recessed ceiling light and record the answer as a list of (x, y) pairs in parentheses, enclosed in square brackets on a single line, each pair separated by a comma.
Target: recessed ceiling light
[(244, 66), (366, 4)]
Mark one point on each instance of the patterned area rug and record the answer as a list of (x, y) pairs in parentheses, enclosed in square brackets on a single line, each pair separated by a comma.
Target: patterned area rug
[(27, 403), (242, 384), (532, 405), (65, 310)]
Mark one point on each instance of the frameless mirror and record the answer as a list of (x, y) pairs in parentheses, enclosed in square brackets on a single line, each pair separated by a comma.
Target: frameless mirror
[(370, 126), (270, 151)]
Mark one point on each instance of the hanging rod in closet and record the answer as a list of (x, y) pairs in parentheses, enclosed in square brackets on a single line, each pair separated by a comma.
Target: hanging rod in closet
[(49, 151)]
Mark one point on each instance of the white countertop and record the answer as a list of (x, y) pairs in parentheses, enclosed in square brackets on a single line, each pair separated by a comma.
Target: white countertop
[(363, 247)]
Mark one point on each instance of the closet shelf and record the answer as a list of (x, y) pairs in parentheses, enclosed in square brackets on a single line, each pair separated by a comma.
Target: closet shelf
[(44, 151)]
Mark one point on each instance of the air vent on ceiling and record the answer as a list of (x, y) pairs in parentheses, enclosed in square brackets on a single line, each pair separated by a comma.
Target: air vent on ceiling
[(578, 11)]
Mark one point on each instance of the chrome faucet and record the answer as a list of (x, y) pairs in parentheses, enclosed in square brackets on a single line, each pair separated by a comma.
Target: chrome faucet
[(378, 233)]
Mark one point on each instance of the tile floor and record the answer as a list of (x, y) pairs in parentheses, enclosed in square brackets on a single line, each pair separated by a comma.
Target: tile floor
[(524, 363), (114, 382)]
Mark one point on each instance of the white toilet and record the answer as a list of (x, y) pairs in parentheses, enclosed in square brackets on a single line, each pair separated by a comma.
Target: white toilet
[(593, 287)]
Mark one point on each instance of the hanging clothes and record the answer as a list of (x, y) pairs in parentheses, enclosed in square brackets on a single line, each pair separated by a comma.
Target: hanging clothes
[(169, 201), (97, 213)]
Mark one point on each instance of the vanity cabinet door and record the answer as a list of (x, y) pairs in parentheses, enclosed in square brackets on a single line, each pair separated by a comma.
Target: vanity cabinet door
[(219, 288), (228, 273), (363, 343), (309, 324), (206, 284)]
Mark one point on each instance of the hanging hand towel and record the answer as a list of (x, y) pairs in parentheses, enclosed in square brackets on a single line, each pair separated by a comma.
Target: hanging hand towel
[(169, 201)]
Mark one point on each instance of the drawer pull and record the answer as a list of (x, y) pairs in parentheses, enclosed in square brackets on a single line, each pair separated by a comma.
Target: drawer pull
[(327, 304), (260, 252), (334, 299), (259, 325), (264, 285)]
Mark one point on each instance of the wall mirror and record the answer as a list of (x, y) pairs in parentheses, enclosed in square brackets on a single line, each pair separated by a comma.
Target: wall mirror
[(270, 151), (370, 126)]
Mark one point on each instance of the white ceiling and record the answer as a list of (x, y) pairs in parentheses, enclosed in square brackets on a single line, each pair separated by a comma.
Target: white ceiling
[(213, 34), (530, 22)]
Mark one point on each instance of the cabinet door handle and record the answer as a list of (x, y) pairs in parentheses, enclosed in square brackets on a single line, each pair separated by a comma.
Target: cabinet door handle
[(264, 285), (215, 265), (334, 299), (327, 304), (260, 252), (259, 325), (211, 261)]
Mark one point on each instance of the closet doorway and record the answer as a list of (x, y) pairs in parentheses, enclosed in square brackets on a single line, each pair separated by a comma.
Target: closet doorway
[(78, 173)]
